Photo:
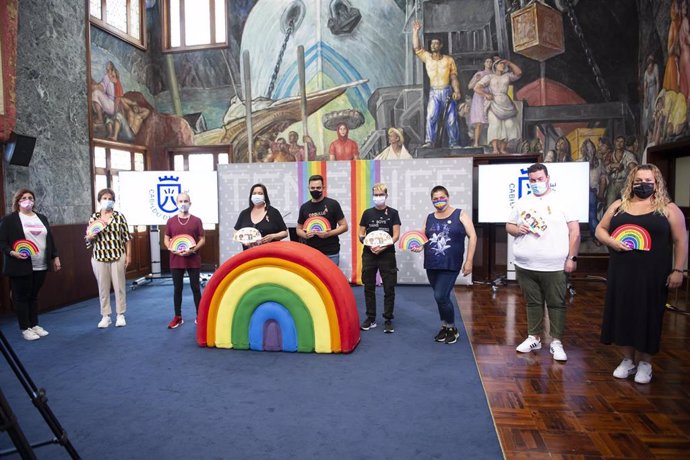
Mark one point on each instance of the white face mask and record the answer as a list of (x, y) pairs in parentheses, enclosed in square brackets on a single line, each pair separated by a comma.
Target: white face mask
[(26, 204), (379, 200), (107, 205), (539, 188), (184, 207), (258, 199)]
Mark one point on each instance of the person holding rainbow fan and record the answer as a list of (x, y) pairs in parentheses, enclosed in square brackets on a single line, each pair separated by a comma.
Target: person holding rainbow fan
[(446, 229), (29, 252), (648, 246), (184, 236)]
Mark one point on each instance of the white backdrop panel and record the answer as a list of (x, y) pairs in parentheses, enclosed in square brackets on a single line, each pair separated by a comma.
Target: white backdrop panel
[(409, 184), (149, 197)]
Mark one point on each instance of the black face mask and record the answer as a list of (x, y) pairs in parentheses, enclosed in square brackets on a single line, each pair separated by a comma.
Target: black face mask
[(315, 194), (643, 190)]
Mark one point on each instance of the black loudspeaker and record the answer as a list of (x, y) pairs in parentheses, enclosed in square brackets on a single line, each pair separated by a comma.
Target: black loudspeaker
[(19, 149)]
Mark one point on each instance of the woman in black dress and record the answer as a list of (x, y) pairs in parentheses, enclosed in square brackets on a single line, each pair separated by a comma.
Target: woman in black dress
[(262, 216), (642, 269)]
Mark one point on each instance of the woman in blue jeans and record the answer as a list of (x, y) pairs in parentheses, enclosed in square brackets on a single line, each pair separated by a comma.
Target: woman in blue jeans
[(446, 229)]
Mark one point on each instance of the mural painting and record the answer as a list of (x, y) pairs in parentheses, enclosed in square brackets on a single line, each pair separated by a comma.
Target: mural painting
[(404, 78)]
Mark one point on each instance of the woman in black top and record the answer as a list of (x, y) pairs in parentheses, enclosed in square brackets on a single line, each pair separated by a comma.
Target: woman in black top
[(27, 272), (262, 216)]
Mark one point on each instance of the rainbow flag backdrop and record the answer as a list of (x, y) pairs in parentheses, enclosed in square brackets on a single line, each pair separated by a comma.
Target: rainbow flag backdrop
[(364, 175), (306, 169), (282, 296)]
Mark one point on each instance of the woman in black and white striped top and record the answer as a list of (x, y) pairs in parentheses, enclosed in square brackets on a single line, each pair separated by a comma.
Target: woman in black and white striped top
[(111, 256)]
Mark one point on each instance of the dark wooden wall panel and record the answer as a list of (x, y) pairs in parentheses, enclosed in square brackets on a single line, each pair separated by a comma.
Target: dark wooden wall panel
[(75, 281)]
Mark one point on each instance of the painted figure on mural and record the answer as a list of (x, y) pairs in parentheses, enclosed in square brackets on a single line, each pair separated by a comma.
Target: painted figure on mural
[(563, 150), (396, 148), (597, 185), (343, 148), (650, 85), (618, 164), (478, 116), (444, 89), (673, 50), (684, 41), (670, 116), (299, 151), (126, 123), (280, 152), (103, 94), (501, 111)]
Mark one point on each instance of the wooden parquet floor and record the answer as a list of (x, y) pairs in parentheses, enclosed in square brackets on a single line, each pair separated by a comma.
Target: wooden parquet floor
[(577, 410)]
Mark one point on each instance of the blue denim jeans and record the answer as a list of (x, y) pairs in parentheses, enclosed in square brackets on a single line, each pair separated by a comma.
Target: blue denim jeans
[(335, 258), (442, 282)]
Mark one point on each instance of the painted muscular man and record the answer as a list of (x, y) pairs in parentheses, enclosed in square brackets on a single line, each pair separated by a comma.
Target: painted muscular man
[(444, 86)]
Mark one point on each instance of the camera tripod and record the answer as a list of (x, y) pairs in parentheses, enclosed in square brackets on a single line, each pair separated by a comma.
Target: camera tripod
[(8, 421)]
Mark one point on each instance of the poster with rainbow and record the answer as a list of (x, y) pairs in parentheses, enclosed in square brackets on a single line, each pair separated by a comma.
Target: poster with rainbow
[(282, 296)]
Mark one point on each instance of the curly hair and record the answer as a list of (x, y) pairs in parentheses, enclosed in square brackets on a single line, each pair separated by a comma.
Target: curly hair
[(660, 198)]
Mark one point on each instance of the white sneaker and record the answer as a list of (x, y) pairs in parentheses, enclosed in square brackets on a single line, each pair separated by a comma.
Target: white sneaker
[(644, 372), (530, 343), (104, 322), (120, 322), (557, 351), (625, 369), (39, 331), (29, 334)]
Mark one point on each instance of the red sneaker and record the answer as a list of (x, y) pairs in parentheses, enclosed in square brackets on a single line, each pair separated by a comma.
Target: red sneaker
[(176, 322)]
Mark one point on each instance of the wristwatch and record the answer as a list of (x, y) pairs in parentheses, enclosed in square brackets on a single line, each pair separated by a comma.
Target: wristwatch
[(573, 258)]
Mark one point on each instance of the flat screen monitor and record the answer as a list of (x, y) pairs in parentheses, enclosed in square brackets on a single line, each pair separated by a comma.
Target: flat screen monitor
[(501, 185)]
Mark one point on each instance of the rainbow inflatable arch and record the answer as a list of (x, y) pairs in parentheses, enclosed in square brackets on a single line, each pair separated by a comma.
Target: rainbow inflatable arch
[(282, 296)]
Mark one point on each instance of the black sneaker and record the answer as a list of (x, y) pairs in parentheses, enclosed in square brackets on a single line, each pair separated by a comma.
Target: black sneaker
[(452, 335), (368, 324), (388, 327), (441, 336)]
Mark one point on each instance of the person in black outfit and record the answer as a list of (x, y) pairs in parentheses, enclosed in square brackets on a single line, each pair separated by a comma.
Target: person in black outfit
[(262, 216), (27, 272), (320, 205), (381, 258), (639, 278)]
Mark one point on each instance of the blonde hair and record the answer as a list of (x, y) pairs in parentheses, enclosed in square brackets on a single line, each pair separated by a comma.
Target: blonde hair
[(380, 187), (659, 199)]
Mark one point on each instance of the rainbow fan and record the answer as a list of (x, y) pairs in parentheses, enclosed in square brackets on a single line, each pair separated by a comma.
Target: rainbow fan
[(26, 247), (182, 242), (412, 239), (95, 227), (633, 236), (316, 224)]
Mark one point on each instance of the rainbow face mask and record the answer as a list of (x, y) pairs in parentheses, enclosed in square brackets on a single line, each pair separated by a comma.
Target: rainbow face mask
[(440, 204)]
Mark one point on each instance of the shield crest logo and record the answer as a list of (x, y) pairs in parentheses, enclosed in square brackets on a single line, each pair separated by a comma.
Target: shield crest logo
[(167, 190)]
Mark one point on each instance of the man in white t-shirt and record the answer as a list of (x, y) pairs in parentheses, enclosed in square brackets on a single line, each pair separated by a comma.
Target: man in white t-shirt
[(547, 239)]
